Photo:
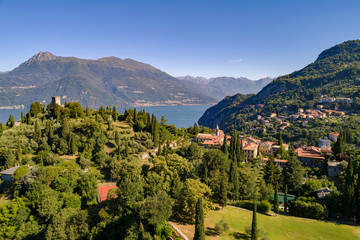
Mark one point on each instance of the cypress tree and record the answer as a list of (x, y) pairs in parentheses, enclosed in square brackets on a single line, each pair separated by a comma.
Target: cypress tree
[(22, 119), (254, 223), (37, 132), (241, 152), (276, 200), (234, 180), (148, 122), (160, 152), (126, 149), (135, 116), (109, 125), (18, 151), (51, 132), (156, 135), (1, 128), (114, 114), (199, 221), (224, 146), (349, 191), (87, 112), (224, 190), (117, 138), (237, 147), (11, 122), (285, 199), (196, 129)]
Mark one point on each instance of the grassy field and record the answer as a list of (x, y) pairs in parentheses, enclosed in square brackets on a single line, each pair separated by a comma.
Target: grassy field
[(276, 227)]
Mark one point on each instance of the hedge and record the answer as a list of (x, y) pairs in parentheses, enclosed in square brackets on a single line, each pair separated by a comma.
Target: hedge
[(263, 206)]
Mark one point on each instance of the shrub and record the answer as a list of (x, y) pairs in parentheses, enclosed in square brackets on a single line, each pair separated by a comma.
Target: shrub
[(263, 206), (308, 209), (221, 226)]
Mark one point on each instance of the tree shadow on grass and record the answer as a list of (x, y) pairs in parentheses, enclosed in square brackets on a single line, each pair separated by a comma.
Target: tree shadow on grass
[(210, 231), (239, 235)]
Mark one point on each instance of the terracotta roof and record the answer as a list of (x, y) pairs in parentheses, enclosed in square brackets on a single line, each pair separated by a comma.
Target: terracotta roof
[(309, 153), (334, 133), (103, 192), (277, 160), (250, 146), (251, 139)]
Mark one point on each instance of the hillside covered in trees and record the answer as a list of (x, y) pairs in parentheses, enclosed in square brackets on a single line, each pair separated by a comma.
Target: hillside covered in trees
[(64, 154), (334, 74)]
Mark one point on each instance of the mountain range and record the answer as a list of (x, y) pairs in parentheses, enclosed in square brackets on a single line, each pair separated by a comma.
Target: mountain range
[(228, 86), (110, 81), (335, 73)]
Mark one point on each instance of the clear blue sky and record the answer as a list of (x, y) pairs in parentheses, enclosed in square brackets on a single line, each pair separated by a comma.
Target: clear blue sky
[(236, 38)]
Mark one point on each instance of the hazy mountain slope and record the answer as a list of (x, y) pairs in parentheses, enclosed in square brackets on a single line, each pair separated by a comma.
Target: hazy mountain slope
[(104, 81)]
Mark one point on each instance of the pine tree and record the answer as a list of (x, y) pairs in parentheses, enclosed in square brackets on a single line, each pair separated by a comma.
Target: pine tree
[(276, 201), (285, 199), (272, 173), (293, 172), (199, 221), (254, 223)]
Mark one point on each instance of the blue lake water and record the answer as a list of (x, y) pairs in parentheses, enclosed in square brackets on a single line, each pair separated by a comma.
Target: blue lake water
[(180, 116)]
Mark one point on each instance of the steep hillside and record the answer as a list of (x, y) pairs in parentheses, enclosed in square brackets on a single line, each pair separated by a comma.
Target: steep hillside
[(104, 81), (335, 73)]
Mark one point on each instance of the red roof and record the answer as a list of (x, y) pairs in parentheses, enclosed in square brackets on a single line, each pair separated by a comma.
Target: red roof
[(103, 192)]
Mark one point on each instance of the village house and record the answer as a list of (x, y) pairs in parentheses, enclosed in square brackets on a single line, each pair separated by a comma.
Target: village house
[(211, 140), (344, 100), (250, 151), (324, 142), (333, 169), (327, 100), (272, 115), (6, 175), (310, 156), (265, 148), (103, 191), (333, 136)]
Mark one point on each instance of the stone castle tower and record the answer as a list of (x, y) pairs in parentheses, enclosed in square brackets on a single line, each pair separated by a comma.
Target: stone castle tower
[(55, 100)]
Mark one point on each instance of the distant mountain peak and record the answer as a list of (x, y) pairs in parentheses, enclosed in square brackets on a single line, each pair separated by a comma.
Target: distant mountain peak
[(42, 57)]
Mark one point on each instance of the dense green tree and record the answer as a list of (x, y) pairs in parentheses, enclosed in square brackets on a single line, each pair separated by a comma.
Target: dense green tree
[(199, 221), (130, 185), (293, 173), (1, 128), (22, 118), (10, 122), (339, 146), (87, 188), (35, 109), (155, 210), (272, 172)]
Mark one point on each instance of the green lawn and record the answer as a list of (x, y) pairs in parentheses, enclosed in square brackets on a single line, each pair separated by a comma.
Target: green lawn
[(277, 227)]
